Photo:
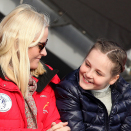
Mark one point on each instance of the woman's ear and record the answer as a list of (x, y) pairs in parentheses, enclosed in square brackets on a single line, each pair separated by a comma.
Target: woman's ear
[(114, 79)]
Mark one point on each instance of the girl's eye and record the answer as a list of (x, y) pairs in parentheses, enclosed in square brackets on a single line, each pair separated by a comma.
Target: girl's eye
[(87, 65), (99, 73)]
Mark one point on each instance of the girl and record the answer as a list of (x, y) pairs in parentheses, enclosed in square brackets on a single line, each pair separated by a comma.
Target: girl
[(94, 97)]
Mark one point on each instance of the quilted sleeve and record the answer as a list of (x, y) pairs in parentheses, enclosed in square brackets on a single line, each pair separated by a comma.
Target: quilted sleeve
[(68, 104)]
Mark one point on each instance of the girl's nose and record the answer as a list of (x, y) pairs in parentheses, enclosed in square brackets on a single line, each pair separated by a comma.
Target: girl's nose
[(89, 73), (43, 52)]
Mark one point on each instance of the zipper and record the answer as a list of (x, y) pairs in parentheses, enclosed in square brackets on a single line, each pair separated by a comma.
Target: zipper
[(101, 105), (113, 103)]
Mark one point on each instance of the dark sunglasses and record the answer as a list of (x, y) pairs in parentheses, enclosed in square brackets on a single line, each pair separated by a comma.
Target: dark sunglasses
[(41, 45)]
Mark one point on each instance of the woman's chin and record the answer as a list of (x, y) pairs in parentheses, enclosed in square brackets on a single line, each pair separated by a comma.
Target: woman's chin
[(34, 67)]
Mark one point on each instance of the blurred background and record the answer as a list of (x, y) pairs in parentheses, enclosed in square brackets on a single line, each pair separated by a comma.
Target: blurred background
[(75, 25)]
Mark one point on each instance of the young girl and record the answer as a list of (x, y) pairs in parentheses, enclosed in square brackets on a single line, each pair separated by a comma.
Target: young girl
[(94, 97)]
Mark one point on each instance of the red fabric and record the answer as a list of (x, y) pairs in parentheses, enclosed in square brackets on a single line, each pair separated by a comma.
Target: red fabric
[(15, 120)]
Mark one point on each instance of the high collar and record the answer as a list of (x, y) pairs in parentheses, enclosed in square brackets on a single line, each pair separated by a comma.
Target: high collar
[(46, 78)]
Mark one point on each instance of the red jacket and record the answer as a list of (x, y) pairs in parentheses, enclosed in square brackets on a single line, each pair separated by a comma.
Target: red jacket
[(12, 105)]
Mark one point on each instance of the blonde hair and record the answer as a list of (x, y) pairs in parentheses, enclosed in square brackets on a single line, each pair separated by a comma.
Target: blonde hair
[(17, 31)]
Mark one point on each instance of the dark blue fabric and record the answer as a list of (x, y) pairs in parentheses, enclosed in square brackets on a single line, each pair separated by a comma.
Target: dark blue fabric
[(84, 112)]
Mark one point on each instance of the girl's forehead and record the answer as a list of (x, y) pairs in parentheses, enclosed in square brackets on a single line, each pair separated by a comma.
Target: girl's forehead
[(99, 60)]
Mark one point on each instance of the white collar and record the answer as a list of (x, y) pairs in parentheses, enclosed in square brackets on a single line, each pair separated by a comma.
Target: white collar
[(102, 92)]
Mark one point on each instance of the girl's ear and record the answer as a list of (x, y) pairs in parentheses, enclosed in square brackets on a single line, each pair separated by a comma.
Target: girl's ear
[(114, 79)]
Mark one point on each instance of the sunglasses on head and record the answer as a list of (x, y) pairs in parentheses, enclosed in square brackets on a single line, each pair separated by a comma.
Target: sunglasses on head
[(41, 45)]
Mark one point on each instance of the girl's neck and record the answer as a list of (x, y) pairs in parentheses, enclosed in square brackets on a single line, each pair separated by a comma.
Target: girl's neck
[(102, 92)]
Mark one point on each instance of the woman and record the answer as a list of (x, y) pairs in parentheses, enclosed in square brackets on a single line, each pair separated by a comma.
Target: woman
[(27, 99), (95, 97)]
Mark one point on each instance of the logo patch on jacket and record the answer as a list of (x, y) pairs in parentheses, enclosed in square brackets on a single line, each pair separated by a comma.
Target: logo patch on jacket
[(5, 102), (44, 110)]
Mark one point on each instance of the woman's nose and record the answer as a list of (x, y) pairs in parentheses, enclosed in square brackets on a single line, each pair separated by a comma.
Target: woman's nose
[(43, 52)]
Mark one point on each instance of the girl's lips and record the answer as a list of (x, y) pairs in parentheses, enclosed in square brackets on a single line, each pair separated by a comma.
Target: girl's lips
[(87, 81)]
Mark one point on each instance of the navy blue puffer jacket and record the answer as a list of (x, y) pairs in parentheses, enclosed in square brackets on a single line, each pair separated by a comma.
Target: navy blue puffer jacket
[(84, 112)]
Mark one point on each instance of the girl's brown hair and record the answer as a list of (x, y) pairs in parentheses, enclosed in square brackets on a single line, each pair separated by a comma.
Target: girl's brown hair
[(114, 52)]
